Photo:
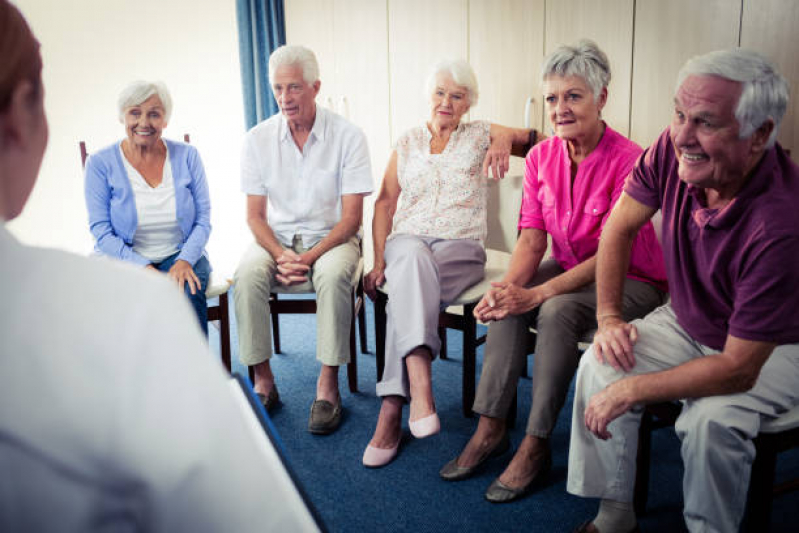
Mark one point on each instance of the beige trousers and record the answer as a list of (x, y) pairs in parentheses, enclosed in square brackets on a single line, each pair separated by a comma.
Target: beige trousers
[(331, 277)]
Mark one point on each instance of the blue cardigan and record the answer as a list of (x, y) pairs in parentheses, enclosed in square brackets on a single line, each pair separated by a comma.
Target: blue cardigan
[(112, 205)]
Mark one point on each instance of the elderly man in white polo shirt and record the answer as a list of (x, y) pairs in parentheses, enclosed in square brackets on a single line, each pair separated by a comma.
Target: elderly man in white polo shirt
[(305, 172)]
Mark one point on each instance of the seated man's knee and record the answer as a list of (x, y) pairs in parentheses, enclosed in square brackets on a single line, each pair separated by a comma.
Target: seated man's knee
[(713, 421)]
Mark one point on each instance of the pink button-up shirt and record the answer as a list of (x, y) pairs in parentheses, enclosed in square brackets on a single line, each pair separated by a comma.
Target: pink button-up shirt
[(574, 214)]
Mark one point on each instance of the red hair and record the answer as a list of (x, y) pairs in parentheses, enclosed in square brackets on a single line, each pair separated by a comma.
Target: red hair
[(20, 52)]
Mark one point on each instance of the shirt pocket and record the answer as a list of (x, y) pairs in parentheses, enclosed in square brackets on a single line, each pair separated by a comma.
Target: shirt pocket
[(326, 193), (597, 207)]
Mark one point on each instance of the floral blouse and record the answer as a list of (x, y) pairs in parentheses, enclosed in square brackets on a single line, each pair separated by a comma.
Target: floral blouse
[(443, 195)]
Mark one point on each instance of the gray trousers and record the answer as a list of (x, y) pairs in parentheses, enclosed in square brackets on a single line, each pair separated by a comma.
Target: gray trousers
[(331, 277), (716, 431), (424, 275), (562, 322)]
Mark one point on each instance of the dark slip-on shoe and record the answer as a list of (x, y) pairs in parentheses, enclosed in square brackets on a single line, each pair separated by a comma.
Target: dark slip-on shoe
[(453, 472), (325, 417), (270, 401), (498, 492)]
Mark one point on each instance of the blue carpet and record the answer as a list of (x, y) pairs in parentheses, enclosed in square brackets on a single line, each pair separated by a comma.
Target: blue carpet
[(408, 494)]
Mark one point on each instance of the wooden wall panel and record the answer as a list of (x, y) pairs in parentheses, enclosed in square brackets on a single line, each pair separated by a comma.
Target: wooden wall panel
[(609, 23), (421, 33), (667, 34), (770, 27), (506, 45)]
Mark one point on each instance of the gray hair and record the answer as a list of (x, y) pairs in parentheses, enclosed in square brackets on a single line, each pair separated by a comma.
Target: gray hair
[(585, 60), (461, 73), (300, 56), (764, 92), (139, 91)]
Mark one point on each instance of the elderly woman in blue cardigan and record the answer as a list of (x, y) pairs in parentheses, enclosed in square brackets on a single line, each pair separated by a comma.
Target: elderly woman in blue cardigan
[(148, 199)]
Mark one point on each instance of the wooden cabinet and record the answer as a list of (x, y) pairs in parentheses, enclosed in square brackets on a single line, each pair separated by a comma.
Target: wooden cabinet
[(667, 35), (609, 23), (506, 46), (770, 27)]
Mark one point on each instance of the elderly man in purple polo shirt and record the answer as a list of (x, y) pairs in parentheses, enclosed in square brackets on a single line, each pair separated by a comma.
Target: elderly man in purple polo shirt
[(726, 345)]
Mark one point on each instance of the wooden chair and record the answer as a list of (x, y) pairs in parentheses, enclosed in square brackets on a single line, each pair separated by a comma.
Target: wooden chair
[(775, 437), (280, 306), (217, 288), (458, 316)]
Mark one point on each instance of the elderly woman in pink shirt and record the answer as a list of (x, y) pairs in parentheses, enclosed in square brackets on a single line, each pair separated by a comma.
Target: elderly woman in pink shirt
[(572, 181), (428, 230)]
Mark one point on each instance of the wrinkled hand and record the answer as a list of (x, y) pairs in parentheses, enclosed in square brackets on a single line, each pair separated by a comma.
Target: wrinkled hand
[(372, 281), (613, 343), (505, 299), (292, 268), (181, 272), (498, 157), (606, 406)]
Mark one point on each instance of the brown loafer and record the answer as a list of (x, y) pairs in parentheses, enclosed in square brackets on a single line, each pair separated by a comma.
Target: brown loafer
[(270, 401), (498, 492), (325, 417), (453, 472)]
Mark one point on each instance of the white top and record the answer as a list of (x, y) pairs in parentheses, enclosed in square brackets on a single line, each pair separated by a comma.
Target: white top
[(114, 416), (304, 188), (158, 233), (443, 195)]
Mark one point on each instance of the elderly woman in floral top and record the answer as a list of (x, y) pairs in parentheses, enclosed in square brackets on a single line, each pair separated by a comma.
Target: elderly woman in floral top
[(436, 192)]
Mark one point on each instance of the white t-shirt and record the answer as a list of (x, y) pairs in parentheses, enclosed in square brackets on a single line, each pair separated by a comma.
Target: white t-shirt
[(158, 233), (304, 188), (114, 415)]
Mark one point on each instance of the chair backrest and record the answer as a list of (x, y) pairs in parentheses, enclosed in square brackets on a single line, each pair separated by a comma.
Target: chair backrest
[(84, 154)]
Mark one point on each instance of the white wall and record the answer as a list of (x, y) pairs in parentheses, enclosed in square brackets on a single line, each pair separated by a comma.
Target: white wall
[(91, 50)]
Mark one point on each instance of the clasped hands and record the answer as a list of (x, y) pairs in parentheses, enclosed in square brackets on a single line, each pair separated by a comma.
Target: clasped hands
[(504, 299), (292, 268), (613, 345)]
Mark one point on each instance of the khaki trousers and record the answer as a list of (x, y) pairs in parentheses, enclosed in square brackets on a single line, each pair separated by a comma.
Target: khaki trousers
[(331, 277), (561, 322), (716, 431)]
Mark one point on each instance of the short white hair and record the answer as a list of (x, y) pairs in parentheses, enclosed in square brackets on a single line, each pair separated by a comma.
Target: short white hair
[(288, 55), (461, 73), (139, 91), (764, 92), (584, 60)]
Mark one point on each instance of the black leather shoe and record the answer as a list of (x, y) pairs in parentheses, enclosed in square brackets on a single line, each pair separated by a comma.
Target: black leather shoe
[(452, 472), (269, 402), (325, 417), (498, 492)]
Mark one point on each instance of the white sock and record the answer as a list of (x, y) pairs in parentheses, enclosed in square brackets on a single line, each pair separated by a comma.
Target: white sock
[(615, 517)]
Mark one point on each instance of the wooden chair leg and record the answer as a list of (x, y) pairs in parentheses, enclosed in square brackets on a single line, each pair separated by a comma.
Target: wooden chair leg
[(362, 319), (641, 490), (275, 326), (224, 329), (510, 419), (442, 334), (469, 358), (380, 333), (352, 366), (761, 485)]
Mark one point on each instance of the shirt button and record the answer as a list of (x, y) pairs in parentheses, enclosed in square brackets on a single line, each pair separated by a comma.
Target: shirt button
[(594, 210)]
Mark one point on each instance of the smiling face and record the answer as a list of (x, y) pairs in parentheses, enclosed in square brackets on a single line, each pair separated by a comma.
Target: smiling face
[(705, 135), (145, 122), (573, 111), (295, 97), (449, 102)]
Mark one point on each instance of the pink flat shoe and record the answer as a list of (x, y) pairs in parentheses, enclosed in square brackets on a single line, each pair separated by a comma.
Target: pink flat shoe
[(377, 457), (425, 427)]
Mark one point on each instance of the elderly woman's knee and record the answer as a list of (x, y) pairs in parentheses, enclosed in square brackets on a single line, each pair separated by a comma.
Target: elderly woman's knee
[(561, 309)]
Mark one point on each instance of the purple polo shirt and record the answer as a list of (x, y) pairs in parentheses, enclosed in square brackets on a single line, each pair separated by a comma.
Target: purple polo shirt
[(732, 271)]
